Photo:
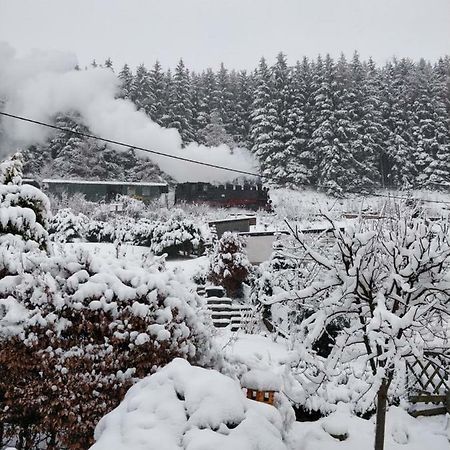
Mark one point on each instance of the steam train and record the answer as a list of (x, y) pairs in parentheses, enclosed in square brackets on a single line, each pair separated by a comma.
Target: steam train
[(250, 196)]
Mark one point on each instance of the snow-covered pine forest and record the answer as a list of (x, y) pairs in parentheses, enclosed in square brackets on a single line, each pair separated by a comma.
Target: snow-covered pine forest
[(340, 125), (337, 125)]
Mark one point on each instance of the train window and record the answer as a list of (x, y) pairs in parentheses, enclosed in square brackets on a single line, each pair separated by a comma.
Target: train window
[(131, 190), (194, 187), (146, 190), (234, 187), (205, 187)]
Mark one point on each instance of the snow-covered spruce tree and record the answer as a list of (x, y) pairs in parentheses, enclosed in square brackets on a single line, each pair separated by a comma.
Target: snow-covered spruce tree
[(223, 98), (242, 90), (140, 89), (157, 94), (214, 134), (282, 160), (388, 285), (430, 129), (179, 112), (263, 119), (229, 264), (126, 82)]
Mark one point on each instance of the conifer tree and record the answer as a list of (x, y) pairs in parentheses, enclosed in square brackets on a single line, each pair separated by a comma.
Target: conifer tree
[(157, 93), (222, 96), (283, 155), (109, 64), (140, 89), (179, 115), (263, 119), (126, 82), (430, 129), (242, 93)]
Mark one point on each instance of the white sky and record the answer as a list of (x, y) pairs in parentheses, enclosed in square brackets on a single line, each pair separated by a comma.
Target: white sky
[(237, 32)]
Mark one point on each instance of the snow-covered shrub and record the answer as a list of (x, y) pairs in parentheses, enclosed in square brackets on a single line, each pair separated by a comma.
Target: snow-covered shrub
[(98, 231), (24, 213), (143, 232), (184, 406), (177, 236), (78, 330), (230, 266), (131, 207), (65, 226)]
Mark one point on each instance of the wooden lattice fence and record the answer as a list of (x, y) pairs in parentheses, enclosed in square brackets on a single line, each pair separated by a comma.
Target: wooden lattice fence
[(429, 383)]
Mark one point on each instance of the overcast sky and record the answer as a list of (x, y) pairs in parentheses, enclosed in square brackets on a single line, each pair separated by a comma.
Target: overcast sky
[(237, 32)]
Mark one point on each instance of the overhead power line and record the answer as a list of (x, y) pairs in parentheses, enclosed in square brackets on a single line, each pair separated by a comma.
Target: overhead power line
[(180, 158), (129, 146), (424, 200)]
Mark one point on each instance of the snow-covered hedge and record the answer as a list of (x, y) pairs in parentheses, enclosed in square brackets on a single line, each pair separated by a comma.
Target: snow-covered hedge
[(78, 329), (184, 406), (177, 235)]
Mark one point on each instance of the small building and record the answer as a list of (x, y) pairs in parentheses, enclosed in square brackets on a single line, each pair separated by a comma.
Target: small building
[(236, 224), (261, 385), (259, 244), (106, 190)]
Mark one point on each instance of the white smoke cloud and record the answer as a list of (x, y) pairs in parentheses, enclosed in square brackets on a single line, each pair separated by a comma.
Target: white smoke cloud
[(43, 84)]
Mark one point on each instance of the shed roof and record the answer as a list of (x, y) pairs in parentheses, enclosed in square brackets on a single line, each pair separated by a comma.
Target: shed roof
[(99, 182)]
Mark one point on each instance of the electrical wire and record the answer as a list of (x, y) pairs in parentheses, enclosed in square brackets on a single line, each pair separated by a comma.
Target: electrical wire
[(180, 158), (123, 144)]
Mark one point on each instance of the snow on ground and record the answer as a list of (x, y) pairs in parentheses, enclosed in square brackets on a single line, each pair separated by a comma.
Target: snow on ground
[(403, 432), (190, 408)]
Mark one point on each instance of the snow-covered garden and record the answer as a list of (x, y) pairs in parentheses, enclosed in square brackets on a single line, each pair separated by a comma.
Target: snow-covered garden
[(106, 344)]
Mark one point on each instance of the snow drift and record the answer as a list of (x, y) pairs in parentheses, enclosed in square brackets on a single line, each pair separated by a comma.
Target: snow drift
[(187, 407), (43, 84)]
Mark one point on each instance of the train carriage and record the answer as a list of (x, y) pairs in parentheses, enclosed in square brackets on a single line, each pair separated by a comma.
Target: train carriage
[(252, 196)]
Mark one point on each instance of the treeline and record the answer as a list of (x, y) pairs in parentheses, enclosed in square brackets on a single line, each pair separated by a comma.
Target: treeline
[(338, 125)]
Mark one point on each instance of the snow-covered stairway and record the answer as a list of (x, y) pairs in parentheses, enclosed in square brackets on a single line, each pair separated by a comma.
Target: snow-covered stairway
[(223, 312)]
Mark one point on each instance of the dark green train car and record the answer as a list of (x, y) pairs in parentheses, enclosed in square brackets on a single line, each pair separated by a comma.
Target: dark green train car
[(96, 191)]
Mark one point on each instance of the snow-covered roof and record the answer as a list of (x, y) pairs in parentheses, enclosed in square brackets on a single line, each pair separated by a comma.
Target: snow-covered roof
[(113, 183), (232, 219), (262, 380)]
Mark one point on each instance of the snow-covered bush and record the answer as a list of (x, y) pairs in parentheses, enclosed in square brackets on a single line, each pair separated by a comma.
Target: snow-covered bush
[(143, 232), (78, 330), (230, 266), (65, 226), (98, 231), (177, 236), (131, 207), (24, 216), (184, 406)]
